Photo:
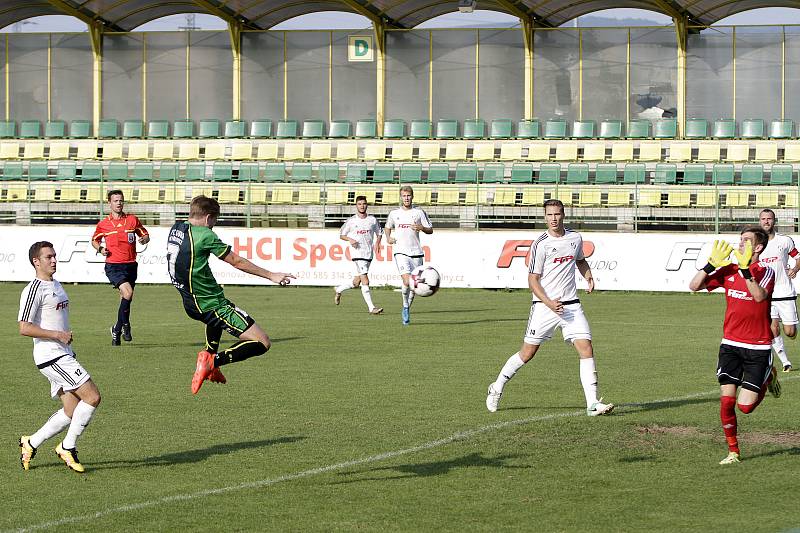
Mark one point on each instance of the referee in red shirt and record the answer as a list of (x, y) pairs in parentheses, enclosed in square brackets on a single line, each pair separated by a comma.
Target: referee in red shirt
[(745, 353), (115, 238)]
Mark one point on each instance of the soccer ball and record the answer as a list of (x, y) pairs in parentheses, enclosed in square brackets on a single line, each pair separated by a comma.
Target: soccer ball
[(425, 280)]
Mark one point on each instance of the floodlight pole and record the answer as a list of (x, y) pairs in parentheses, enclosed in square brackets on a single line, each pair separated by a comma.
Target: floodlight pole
[(96, 35), (527, 36), (380, 68), (235, 34), (681, 36)]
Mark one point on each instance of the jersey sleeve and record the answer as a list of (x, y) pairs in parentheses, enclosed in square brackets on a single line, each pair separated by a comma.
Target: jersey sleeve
[(29, 302), (792, 249), (345, 228), (579, 249), (390, 220), (717, 278), (537, 258), (378, 228), (424, 220), (214, 245), (766, 278), (98, 232), (139, 228)]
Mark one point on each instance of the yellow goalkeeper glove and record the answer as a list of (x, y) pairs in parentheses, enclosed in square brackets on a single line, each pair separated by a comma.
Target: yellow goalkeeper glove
[(720, 252), (744, 258)]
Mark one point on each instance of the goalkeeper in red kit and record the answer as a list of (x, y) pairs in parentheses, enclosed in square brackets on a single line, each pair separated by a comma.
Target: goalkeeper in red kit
[(745, 355)]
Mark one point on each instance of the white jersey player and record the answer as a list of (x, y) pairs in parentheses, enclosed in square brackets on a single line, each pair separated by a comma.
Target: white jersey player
[(555, 255), (784, 307), (44, 315), (361, 231), (402, 232)]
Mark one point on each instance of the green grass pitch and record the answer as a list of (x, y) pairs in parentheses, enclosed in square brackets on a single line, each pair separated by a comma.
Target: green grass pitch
[(353, 422)]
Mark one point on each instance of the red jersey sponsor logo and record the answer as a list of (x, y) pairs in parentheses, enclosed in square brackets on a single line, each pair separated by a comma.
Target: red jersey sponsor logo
[(513, 249)]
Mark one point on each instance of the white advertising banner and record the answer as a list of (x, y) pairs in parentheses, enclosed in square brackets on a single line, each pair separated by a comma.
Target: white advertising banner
[(486, 259)]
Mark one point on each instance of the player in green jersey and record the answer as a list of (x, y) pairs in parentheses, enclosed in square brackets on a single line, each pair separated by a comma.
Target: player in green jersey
[(189, 246)]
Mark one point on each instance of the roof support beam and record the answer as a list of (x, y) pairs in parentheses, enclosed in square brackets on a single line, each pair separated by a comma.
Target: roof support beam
[(90, 18), (226, 14), (376, 18)]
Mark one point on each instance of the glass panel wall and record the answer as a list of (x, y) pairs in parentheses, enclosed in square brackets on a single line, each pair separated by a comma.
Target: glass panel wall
[(555, 74), (604, 61), (654, 73), (262, 75), (501, 74), (407, 74), (709, 74), (123, 55)]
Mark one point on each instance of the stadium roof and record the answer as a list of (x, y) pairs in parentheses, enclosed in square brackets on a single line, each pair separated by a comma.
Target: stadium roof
[(125, 15)]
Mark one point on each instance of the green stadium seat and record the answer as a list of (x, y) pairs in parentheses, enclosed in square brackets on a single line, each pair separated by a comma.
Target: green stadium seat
[(222, 171), (522, 173), (694, 174), (411, 173), (8, 129), (158, 129), (780, 174), (208, 129), (383, 173), (781, 129), (583, 129), (722, 174), (12, 171), (340, 129), (528, 129), (421, 129), (328, 172), (80, 129), (142, 171), (549, 173), (555, 129), (235, 129), (356, 173), (30, 129), (493, 173), (261, 129), (634, 173), (55, 129), (286, 129), (133, 129), (108, 129), (605, 174), (302, 172), (249, 171), (466, 173), (38, 171), (438, 173), (724, 128), (394, 128), (366, 128), (639, 129), (169, 171), (446, 128), (183, 129), (578, 173), (665, 128), (666, 173), (611, 129), (474, 128), (195, 171), (696, 128), (117, 171), (501, 128), (752, 174), (275, 172), (67, 170), (312, 129), (753, 128)]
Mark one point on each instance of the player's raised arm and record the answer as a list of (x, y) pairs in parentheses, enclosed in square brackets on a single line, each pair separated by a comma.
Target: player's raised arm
[(245, 265), (720, 252)]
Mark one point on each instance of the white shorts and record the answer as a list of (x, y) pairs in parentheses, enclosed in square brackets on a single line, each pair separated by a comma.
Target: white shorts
[(785, 310), (361, 266), (542, 322), (406, 264), (65, 374)]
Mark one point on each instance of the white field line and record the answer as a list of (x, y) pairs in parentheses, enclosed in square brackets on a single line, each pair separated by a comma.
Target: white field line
[(462, 435)]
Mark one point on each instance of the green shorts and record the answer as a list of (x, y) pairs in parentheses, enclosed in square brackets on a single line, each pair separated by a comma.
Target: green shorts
[(228, 317)]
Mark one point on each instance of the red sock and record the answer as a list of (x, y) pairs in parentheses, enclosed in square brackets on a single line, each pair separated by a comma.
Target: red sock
[(727, 413)]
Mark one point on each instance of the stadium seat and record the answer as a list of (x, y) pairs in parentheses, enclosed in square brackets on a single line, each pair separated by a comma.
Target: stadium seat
[(58, 150), (208, 129), (151, 194), (366, 129), (356, 173), (394, 128), (138, 150), (722, 174), (589, 197), (666, 173), (188, 151), (346, 151), (753, 128), (30, 129), (169, 171), (522, 173), (619, 198), (70, 192), (752, 175), (466, 173), (222, 171), (308, 194), (339, 129), (511, 151), (679, 152), (422, 195), (532, 196), (766, 198), (421, 129), (455, 151), (501, 196), (8, 129), (634, 173), (482, 151), (605, 174), (228, 194), (286, 129), (87, 150), (665, 128), (214, 151), (594, 151), (370, 193), (566, 151), (724, 128), (267, 151), (9, 150), (446, 128), (235, 129), (438, 173), (301, 172), (94, 192), (555, 129), (708, 151), (133, 129), (736, 198), (55, 129), (195, 171), (583, 129), (622, 151), (17, 192), (38, 171), (183, 129), (766, 151), (781, 129), (383, 173), (565, 195), (493, 173), (707, 198), (649, 151), (143, 171), (648, 196), (260, 129), (791, 199), (402, 151), (375, 151), (44, 193), (410, 173), (66, 170), (678, 198), (737, 153), (33, 150), (694, 174), (638, 129), (577, 173), (241, 151), (336, 194), (447, 195), (549, 173), (251, 171), (275, 172), (696, 128), (611, 129), (312, 129), (428, 151), (781, 174), (111, 150), (158, 129), (528, 129), (282, 194), (163, 150), (256, 194), (474, 195), (320, 151), (294, 151), (474, 128), (92, 171), (501, 128), (791, 152)]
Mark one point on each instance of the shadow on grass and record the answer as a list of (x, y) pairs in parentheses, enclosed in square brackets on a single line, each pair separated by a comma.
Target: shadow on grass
[(434, 468), (794, 450), (452, 322), (196, 346), (631, 408)]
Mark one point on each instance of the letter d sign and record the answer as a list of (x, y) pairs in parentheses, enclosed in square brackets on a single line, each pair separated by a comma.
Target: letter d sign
[(359, 48)]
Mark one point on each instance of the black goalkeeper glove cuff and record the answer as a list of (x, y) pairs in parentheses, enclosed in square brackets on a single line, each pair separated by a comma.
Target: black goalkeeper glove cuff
[(709, 268), (746, 273)]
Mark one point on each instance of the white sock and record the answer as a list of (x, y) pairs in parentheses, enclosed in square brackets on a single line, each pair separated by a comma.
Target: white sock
[(589, 380), (404, 291), (780, 350), (80, 419), (367, 296), (341, 288), (410, 297), (55, 425), (511, 367)]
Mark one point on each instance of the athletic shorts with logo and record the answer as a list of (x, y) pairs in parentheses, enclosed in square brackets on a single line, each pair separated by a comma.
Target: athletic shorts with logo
[(407, 263), (543, 321), (785, 311), (65, 373), (361, 266), (743, 367), (228, 317)]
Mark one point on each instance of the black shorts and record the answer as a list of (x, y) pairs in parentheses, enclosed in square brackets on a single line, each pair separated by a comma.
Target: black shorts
[(119, 273), (743, 367), (228, 317)]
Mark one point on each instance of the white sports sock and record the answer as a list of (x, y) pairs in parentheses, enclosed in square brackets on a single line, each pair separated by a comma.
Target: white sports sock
[(589, 380), (404, 291), (55, 425), (410, 297), (780, 350), (80, 419), (367, 296), (341, 288), (511, 367)]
